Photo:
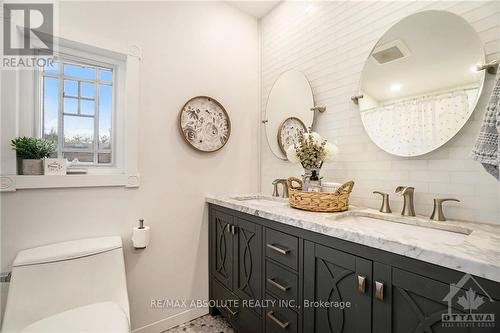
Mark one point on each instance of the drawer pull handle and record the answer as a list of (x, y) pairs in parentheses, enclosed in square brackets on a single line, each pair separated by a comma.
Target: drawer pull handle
[(277, 285), (232, 229), (361, 284), (379, 290), (271, 316), (278, 249), (233, 313)]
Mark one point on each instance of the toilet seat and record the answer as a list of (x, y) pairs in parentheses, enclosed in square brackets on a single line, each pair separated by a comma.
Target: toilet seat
[(97, 317)]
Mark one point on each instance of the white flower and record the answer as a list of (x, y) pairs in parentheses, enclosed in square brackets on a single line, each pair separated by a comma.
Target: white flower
[(315, 137), (331, 151), (291, 154)]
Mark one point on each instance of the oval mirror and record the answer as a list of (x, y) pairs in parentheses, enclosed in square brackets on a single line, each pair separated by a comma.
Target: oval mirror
[(288, 111), (420, 84)]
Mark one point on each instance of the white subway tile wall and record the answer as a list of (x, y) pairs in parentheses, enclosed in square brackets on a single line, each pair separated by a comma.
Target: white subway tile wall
[(329, 42)]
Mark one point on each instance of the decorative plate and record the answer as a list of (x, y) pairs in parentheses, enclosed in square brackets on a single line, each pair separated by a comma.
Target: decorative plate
[(204, 124), (289, 132)]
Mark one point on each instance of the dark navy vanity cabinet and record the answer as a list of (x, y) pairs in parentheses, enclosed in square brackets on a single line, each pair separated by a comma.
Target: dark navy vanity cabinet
[(270, 277), (236, 268)]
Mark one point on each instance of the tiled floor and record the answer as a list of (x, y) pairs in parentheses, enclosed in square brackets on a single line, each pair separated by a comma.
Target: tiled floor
[(205, 324)]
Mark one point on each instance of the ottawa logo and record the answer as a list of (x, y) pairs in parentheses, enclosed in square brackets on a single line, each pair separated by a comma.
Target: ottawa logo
[(464, 302)]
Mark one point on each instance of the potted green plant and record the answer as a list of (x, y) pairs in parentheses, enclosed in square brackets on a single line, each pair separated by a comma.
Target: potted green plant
[(30, 153)]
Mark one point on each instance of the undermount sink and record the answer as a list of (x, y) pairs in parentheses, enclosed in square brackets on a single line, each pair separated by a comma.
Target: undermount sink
[(414, 222), (385, 227), (262, 200)]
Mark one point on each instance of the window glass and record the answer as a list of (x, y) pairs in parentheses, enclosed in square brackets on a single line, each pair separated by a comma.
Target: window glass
[(105, 75), (71, 88), (87, 90), (84, 119), (87, 107), (50, 108), (81, 156), (104, 158), (52, 68), (105, 119), (83, 72), (70, 105), (78, 132)]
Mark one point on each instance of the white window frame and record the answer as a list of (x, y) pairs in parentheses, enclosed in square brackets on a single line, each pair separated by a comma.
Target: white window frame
[(23, 118), (86, 58)]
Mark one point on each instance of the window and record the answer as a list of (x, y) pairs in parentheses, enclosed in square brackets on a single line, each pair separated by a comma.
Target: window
[(77, 100), (87, 103)]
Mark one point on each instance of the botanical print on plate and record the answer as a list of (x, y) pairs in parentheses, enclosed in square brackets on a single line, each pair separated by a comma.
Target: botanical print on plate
[(205, 124), (289, 132)]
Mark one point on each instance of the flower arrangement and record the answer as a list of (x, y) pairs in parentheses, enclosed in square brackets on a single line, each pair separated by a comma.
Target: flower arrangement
[(311, 151)]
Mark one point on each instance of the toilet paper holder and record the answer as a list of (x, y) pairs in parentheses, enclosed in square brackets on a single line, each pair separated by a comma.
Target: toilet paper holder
[(141, 235)]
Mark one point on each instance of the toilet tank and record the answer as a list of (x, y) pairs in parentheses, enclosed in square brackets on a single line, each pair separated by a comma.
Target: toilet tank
[(50, 279)]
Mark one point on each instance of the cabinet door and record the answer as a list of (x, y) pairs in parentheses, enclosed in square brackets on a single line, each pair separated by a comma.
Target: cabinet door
[(332, 276), (241, 318), (248, 260), (415, 303), (222, 244)]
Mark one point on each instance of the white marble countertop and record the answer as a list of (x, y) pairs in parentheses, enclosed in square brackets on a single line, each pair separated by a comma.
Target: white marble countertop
[(477, 253)]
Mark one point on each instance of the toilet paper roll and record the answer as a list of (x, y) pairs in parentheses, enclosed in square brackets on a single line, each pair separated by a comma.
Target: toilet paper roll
[(140, 237)]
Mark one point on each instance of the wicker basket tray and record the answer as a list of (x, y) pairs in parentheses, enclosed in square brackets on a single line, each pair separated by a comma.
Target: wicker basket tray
[(337, 201)]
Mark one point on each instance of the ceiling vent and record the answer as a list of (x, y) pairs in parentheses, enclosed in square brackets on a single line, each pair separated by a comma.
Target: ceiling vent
[(390, 52)]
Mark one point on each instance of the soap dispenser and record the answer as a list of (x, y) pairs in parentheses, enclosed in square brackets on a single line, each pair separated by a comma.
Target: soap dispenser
[(314, 182)]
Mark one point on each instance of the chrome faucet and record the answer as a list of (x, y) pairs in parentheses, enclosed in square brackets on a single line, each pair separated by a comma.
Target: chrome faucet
[(284, 184), (407, 193)]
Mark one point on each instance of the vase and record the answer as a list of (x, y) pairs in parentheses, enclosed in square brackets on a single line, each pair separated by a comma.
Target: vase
[(306, 177), (32, 167)]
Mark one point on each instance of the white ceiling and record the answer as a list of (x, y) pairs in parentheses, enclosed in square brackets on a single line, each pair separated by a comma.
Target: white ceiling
[(256, 8), (443, 50)]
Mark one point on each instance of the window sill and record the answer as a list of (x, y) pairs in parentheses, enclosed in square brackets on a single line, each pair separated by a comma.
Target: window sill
[(12, 183)]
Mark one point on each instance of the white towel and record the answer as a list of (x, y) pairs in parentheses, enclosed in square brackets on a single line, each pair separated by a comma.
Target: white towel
[(487, 146)]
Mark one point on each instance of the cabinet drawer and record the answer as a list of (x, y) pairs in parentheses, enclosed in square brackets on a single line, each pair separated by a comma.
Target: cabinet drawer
[(280, 319), (226, 301), (282, 248), (247, 322), (241, 318), (281, 282)]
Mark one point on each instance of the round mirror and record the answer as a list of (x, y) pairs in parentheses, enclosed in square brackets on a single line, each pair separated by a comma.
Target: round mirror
[(288, 111), (420, 84)]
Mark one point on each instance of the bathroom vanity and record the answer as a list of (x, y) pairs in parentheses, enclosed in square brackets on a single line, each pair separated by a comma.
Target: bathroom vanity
[(278, 269)]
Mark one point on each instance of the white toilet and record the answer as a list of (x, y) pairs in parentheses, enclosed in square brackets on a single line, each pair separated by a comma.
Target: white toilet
[(75, 286)]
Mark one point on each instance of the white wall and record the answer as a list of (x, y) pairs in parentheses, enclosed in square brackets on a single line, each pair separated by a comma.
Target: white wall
[(189, 49), (329, 42)]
